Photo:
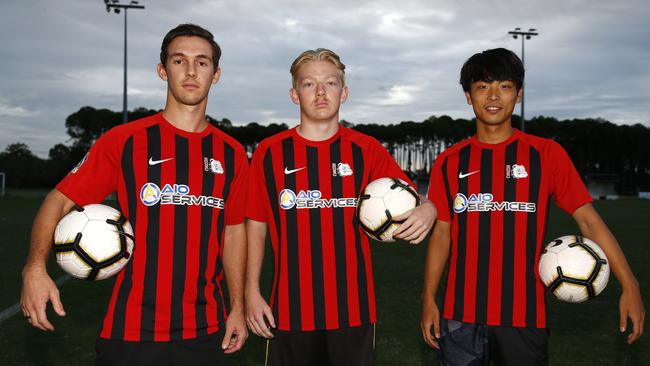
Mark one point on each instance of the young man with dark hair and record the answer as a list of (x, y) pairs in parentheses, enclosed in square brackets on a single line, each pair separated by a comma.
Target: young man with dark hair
[(494, 306), (304, 187), (167, 305)]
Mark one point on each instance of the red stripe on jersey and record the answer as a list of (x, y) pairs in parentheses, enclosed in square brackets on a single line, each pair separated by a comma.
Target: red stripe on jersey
[(139, 258), (283, 283), (275, 240), (107, 326), (367, 256), (471, 251), (304, 247), (329, 257), (450, 295), (213, 250), (195, 181), (370, 281), (521, 227), (496, 239), (166, 240), (208, 290), (542, 209), (354, 315)]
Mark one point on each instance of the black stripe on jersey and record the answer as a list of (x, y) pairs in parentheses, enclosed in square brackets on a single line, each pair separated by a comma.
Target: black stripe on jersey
[(229, 162), (180, 241), (339, 240), (364, 310), (293, 264), (271, 189), (206, 227), (508, 265), (315, 236), (534, 182), (485, 218), (128, 172), (463, 166), (151, 267)]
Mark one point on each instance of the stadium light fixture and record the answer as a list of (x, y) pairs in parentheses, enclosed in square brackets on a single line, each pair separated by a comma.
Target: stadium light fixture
[(117, 7), (524, 35)]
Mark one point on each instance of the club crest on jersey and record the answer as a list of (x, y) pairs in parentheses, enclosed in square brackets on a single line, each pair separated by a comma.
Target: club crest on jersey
[(516, 171), (341, 169), (79, 164), (289, 199), (212, 165)]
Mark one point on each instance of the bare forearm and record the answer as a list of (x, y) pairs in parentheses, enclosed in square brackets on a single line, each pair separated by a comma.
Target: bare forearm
[(593, 227), (436, 259), (53, 208), (234, 263), (256, 232)]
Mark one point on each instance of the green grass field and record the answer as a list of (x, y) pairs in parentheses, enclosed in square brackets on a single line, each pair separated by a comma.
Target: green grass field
[(581, 334)]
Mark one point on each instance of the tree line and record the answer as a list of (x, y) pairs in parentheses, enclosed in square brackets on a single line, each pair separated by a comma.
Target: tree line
[(597, 147)]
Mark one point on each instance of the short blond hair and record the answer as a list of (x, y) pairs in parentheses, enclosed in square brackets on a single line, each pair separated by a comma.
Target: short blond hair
[(319, 54)]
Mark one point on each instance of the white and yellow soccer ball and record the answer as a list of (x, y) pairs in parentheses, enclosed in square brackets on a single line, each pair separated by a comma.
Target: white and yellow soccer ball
[(573, 268), (380, 201), (94, 242)]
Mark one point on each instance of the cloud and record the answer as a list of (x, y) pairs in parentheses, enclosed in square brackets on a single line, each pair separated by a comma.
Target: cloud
[(7, 110), (590, 59)]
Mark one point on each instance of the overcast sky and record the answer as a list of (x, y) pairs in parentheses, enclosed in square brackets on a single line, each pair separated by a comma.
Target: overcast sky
[(591, 58)]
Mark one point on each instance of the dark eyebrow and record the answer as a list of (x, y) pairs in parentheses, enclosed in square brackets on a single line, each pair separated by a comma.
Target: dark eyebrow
[(184, 55)]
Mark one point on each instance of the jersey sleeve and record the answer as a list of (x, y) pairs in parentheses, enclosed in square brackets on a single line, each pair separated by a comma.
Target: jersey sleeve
[(437, 193), (566, 185), (383, 164), (236, 202), (258, 205), (96, 175)]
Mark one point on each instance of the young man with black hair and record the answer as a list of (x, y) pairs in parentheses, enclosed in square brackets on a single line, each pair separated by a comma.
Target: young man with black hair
[(167, 305), (304, 187), (494, 306)]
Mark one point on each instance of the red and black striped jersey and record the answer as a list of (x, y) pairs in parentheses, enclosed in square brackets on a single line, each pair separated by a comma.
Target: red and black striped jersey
[(307, 191), (179, 190), (496, 198)]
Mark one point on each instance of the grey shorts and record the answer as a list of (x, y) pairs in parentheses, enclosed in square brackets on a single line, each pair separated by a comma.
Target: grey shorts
[(464, 344)]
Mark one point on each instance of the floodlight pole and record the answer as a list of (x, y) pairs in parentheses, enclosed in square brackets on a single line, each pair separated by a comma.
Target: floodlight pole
[(116, 6), (524, 35)]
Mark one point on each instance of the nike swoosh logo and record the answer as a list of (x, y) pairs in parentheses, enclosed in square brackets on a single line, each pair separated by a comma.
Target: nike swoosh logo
[(461, 175), (156, 162), (287, 171)]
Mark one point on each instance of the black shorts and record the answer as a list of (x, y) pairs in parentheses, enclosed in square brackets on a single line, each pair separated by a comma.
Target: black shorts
[(204, 350), (340, 347), (463, 344)]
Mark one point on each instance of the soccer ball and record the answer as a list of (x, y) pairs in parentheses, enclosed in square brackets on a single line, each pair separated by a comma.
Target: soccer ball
[(94, 242), (380, 201), (573, 268)]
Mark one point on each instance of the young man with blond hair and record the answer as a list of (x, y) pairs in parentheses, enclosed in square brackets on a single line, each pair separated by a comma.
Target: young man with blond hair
[(306, 181)]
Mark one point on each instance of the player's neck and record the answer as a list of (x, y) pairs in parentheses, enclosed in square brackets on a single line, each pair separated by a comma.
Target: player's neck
[(493, 134), (317, 131), (190, 118)]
